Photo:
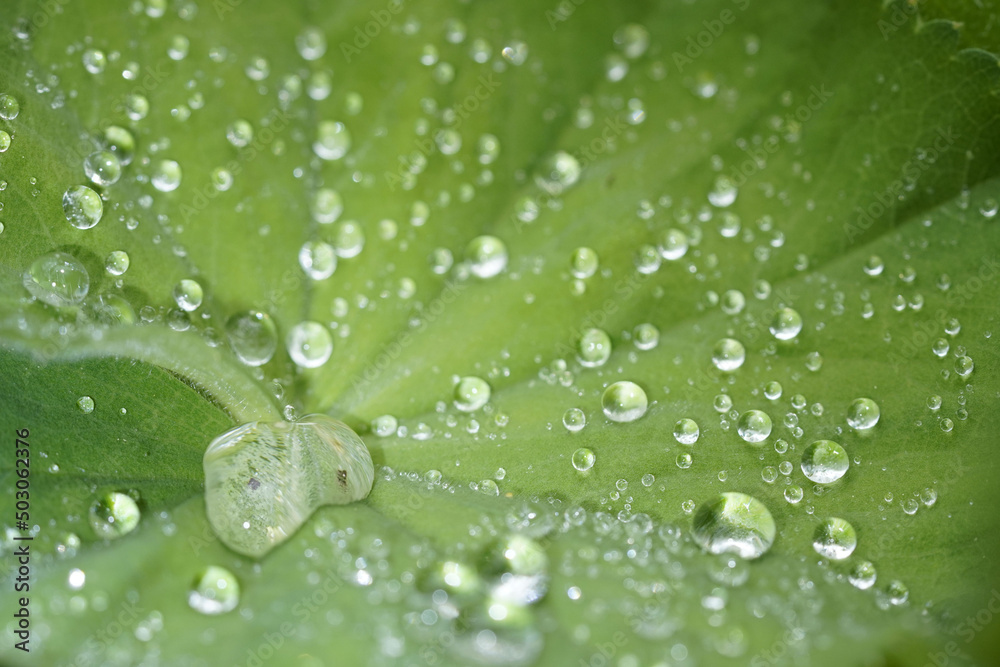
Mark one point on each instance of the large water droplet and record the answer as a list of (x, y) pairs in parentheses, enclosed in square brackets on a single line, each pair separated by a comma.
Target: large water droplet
[(754, 426), (264, 480), (787, 324), (594, 348), (166, 176), (487, 256), (309, 344), (824, 461), (574, 420), (471, 393), (863, 413), (728, 354), (102, 168), (253, 337), (734, 523), (835, 539), (624, 401), (58, 279), (188, 295), (333, 140), (215, 591), (82, 206), (318, 259), (9, 107), (584, 459), (558, 172)]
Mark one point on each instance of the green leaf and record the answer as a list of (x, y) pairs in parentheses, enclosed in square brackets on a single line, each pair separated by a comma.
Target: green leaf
[(850, 131)]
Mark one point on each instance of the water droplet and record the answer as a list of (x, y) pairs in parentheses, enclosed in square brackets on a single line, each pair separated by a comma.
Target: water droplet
[(863, 575), (583, 263), (732, 302), (574, 420), (558, 172), (487, 256), (94, 61), (673, 245), (964, 366), (82, 206), (326, 206), (252, 336), (686, 431), (897, 593), (239, 133), (264, 480), (120, 141), (772, 391), (114, 515), (58, 279), (754, 426), (793, 494), (333, 140), (787, 324), (863, 413), (632, 39), (317, 259), (188, 295), (215, 591), (309, 344), (722, 403), (734, 523), (824, 461), (166, 176), (86, 404), (311, 43), (594, 348), (102, 168), (471, 393), (4, 141), (117, 262), (624, 402), (683, 461), (874, 265), (835, 539), (9, 107), (584, 459), (728, 354), (645, 336)]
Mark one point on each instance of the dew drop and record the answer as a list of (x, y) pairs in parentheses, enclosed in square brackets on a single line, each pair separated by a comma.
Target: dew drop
[(188, 295), (82, 206), (166, 175), (734, 523), (215, 591), (309, 344), (239, 133), (317, 259), (252, 336), (558, 172), (471, 393), (754, 426), (58, 279), (593, 348), (102, 168), (583, 263), (574, 420), (728, 354), (786, 325), (835, 539), (863, 413), (824, 462), (333, 140), (9, 107), (863, 575), (584, 459), (487, 256), (86, 404), (264, 480), (624, 402), (114, 515), (686, 431), (117, 262)]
